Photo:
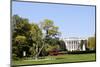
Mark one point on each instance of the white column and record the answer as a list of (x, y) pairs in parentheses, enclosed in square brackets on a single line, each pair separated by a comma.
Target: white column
[(73, 45)]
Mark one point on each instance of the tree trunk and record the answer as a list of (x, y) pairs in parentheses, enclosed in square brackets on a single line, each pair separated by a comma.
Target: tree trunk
[(38, 51), (36, 56)]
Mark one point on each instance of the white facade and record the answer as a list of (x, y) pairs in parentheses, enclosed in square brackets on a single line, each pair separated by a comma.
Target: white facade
[(73, 44)]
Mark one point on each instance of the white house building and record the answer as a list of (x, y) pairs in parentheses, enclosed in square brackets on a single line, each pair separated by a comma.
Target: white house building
[(75, 44)]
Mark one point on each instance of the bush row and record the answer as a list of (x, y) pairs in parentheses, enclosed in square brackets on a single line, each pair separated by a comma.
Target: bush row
[(81, 52)]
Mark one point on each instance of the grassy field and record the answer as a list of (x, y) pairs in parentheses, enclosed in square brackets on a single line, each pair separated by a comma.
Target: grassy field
[(67, 58)]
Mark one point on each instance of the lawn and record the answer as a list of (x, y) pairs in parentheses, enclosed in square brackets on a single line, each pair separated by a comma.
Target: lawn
[(67, 58)]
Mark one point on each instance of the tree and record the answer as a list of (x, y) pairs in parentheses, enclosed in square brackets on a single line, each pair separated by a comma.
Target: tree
[(49, 27), (30, 38), (20, 26), (36, 37), (20, 35), (26, 37), (62, 45), (46, 25), (92, 43), (20, 39), (20, 42), (51, 33)]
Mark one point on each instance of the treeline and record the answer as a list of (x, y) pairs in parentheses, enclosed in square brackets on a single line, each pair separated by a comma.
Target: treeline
[(33, 39)]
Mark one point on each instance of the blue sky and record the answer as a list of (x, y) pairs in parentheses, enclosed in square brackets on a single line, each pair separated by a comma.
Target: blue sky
[(73, 21)]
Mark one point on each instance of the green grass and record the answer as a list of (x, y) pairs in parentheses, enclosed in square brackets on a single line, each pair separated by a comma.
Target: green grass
[(58, 59)]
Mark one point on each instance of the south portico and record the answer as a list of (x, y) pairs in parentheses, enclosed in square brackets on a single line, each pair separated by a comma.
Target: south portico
[(75, 44)]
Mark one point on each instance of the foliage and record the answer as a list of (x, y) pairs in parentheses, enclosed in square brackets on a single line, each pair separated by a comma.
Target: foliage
[(31, 38), (49, 27), (20, 39), (92, 43), (20, 35)]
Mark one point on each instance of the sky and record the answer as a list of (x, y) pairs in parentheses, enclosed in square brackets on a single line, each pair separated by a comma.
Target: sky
[(72, 20)]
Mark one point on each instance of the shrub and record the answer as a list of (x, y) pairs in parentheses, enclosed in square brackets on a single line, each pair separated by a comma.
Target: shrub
[(14, 57)]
